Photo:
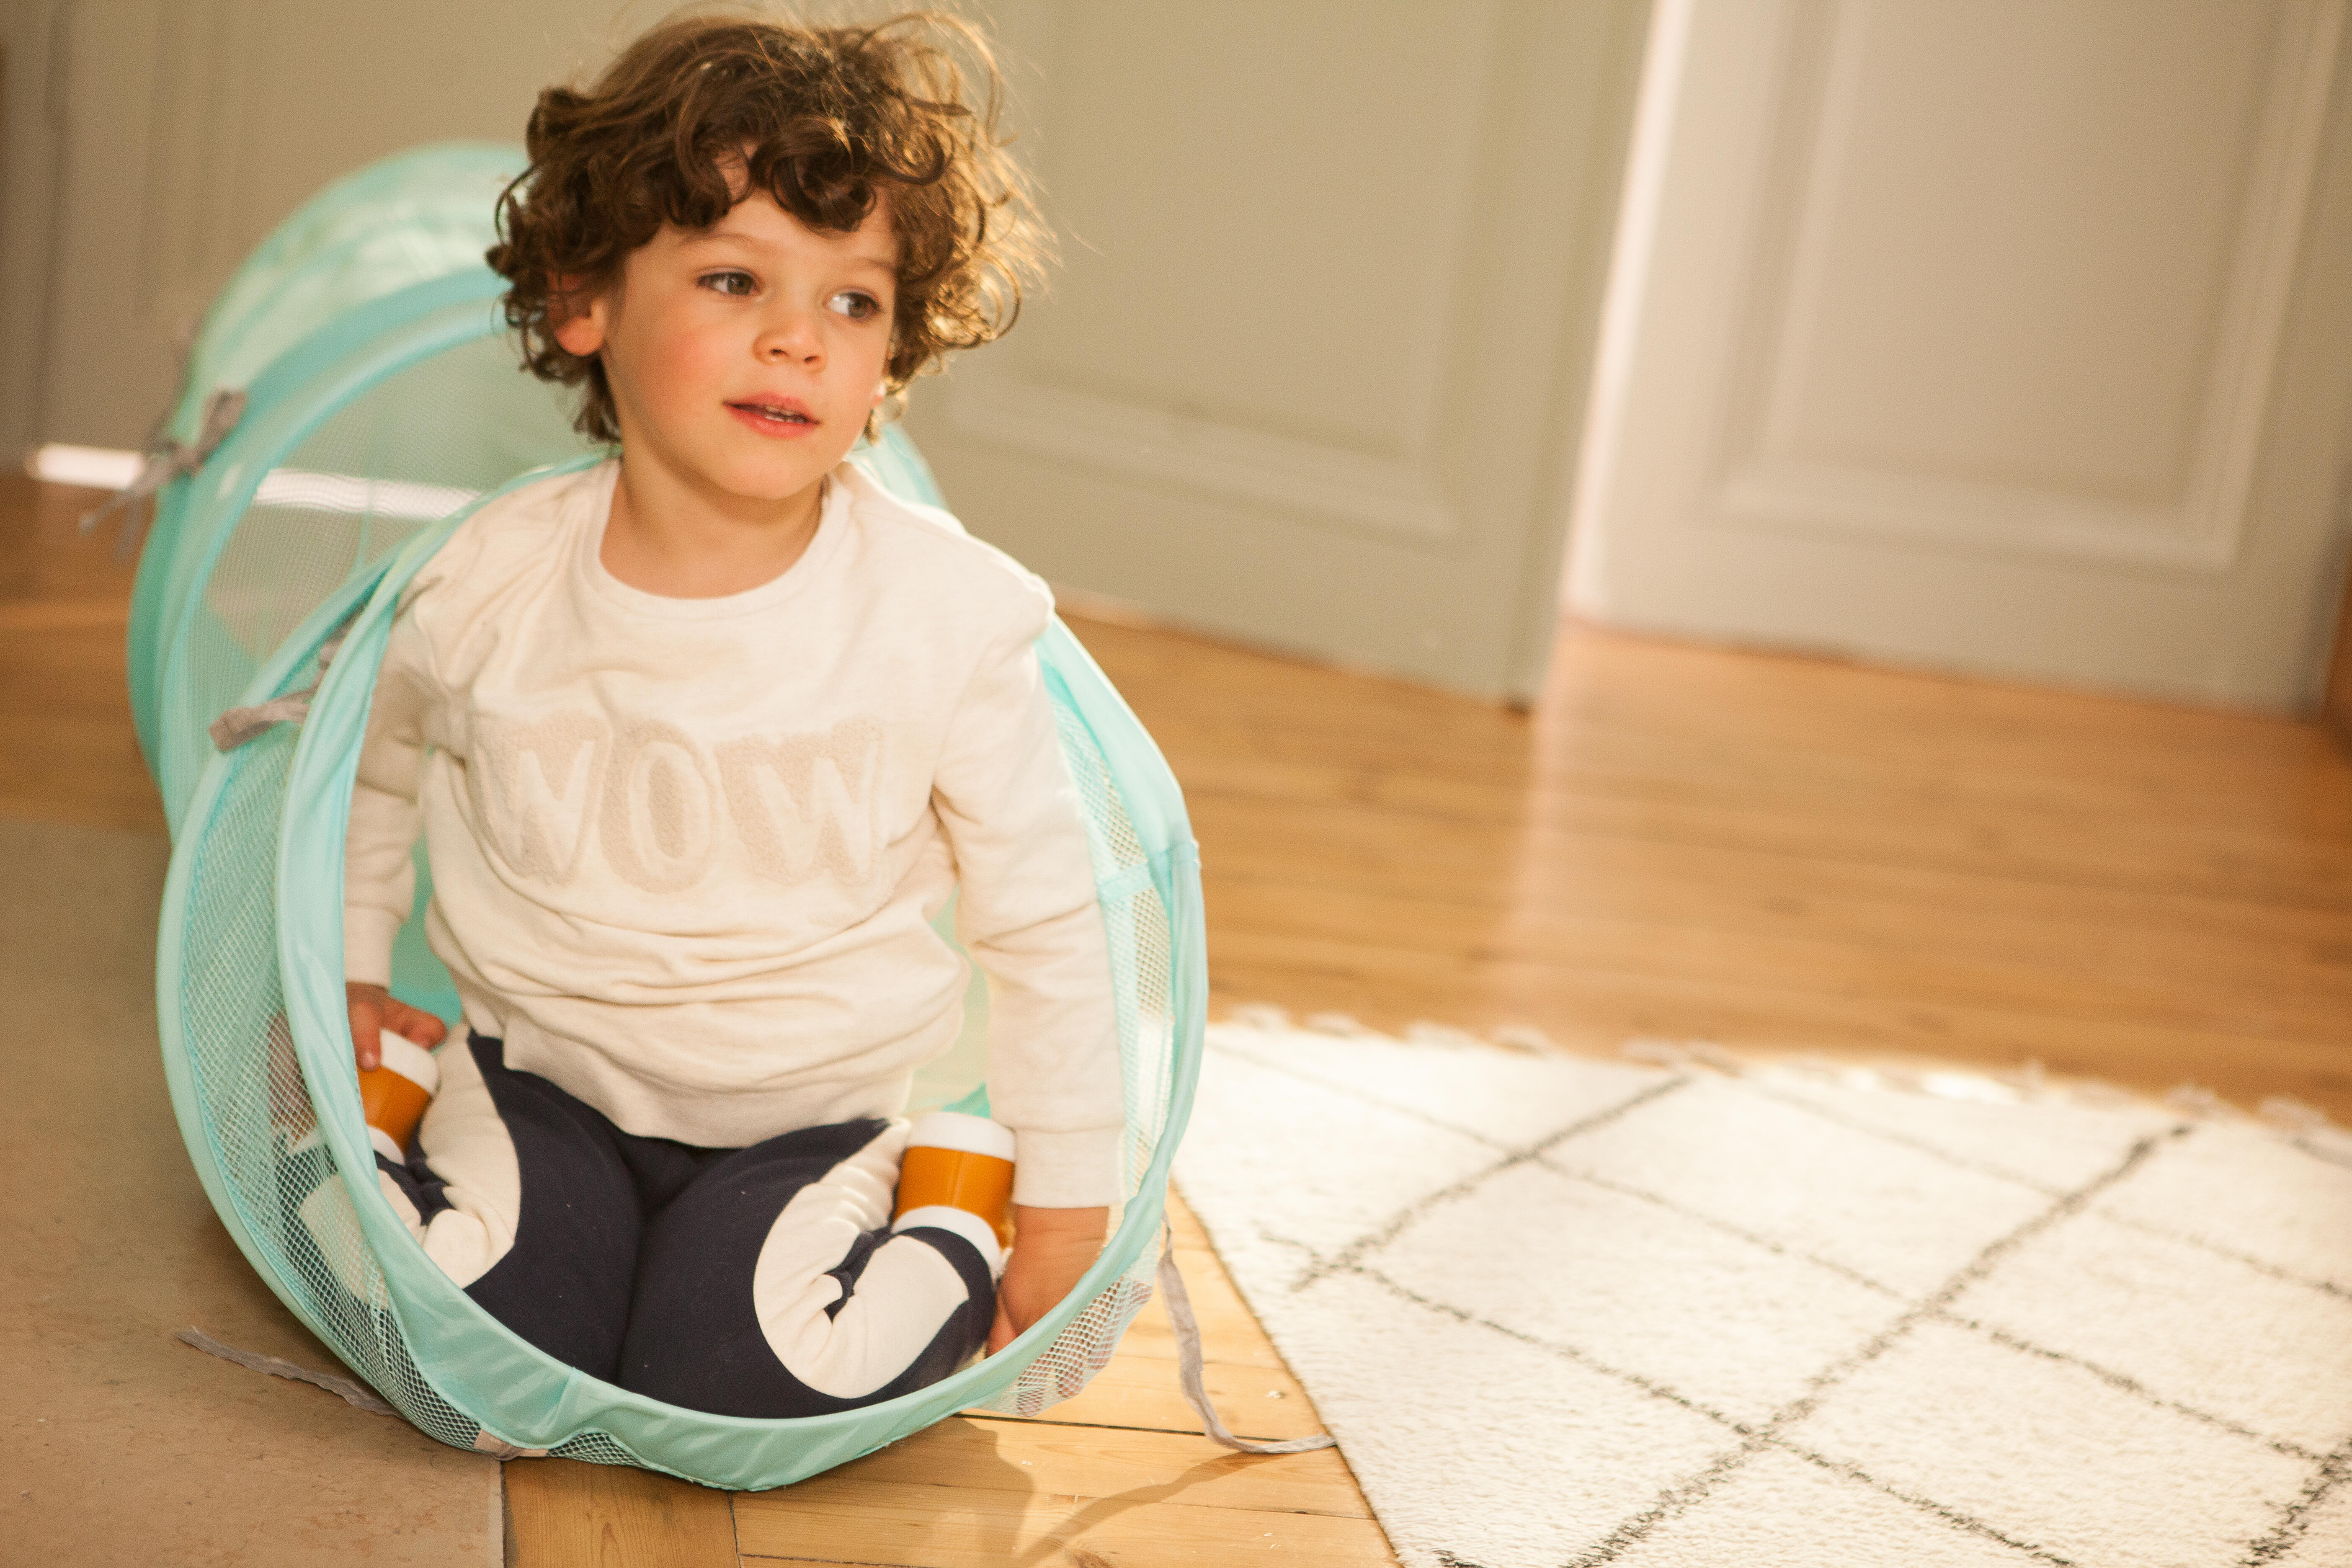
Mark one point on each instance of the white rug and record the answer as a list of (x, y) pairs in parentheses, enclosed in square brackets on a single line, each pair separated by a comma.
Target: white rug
[(1562, 1312)]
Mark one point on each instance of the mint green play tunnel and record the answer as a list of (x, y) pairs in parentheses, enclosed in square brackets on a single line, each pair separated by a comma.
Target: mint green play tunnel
[(383, 406)]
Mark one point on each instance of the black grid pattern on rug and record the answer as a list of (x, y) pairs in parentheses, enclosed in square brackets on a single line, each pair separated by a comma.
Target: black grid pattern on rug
[(2044, 1219)]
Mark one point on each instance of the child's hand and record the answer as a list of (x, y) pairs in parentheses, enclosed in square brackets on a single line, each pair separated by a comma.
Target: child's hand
[(374, 1010), (1051, 1248)]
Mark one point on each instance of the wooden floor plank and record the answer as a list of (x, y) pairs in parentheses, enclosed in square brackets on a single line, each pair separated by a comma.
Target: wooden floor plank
[(965, 1453), (1739, 877), (2169, 980), (1264, 1403), (1594, 1009), (564, 1514), (910, 1525)]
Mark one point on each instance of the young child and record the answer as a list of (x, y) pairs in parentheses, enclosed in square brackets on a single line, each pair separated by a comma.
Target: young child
[(702, 739)]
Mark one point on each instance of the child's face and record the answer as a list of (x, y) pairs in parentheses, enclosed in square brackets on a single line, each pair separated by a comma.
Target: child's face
[(744, 359)]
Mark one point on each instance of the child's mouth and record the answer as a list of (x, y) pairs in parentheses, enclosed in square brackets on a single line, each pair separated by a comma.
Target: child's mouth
[(771, 414)]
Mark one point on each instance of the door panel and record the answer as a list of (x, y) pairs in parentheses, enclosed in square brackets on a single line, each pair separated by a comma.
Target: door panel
[(1995, 336), (1312, 370)]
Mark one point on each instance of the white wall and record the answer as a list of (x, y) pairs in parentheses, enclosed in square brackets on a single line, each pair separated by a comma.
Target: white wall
[(191, 126), (28, 157)]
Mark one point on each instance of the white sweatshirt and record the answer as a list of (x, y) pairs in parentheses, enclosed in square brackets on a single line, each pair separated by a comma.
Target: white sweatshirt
[(686, 852)]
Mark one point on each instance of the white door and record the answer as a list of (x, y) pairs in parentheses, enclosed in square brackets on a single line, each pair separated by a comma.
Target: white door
[(1311, 376), (2005, 336), (1312, 371)]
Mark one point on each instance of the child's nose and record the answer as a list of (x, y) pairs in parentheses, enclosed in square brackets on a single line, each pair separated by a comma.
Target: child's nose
[(792, 338)]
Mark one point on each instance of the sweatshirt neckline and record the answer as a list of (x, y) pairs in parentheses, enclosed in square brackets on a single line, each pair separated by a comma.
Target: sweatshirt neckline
[(832, 521)]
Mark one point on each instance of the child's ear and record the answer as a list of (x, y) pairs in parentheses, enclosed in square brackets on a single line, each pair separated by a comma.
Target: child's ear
[(578, 314)]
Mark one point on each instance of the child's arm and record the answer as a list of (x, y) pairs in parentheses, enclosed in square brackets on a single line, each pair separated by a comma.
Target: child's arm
[(378, 878), (1026, 910)]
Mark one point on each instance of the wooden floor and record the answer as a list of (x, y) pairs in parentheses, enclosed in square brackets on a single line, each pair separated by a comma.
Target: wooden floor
[(67, 753), (1776, 854)]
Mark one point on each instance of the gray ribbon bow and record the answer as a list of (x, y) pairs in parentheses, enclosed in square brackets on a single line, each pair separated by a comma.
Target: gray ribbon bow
[(168, 459), (238, 725)]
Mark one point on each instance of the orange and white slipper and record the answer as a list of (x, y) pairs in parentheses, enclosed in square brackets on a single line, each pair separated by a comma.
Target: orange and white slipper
[(392, 1097), (957, 1175)]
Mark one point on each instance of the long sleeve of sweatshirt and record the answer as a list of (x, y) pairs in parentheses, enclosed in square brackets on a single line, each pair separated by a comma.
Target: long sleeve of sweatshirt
[(687, 853), (1029, 915)]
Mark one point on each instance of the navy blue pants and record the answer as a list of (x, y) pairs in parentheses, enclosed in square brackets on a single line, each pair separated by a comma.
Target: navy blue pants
[(764, 1281)]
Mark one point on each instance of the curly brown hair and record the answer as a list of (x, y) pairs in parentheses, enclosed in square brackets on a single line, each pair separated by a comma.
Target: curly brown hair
[(834, 118)]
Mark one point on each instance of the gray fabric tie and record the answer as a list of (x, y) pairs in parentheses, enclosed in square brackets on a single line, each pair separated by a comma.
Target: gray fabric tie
[(348, 1392), (1188, 1363), (235, 727), (169, 459)]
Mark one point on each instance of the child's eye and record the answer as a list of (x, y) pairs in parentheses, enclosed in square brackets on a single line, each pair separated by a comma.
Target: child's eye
[(738, 284), (856, 305)]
